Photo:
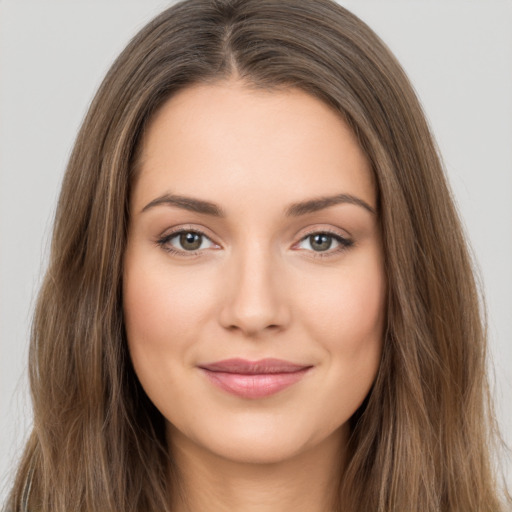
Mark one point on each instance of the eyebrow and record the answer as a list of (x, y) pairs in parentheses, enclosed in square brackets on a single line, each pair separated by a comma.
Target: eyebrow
[(187, 203), (294, 210), (319, 203)]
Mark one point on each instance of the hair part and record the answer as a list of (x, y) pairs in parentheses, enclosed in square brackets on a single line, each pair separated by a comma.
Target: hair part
[(423, 437)]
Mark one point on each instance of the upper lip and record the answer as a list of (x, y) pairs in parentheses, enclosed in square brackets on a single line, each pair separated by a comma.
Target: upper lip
[(245, 367)]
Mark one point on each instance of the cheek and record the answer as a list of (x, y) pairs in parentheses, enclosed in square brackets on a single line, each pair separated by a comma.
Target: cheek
[(348, 321), (163, 313), (349, 306), (160, 305)]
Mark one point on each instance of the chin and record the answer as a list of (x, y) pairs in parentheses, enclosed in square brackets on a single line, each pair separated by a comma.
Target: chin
[(260, 451), (255, 442)]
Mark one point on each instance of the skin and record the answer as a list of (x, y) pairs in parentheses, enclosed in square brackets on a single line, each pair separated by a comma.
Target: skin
[(257, 287)]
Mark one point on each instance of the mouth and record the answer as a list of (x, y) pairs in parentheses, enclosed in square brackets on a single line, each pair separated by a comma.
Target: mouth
[(254, 379)]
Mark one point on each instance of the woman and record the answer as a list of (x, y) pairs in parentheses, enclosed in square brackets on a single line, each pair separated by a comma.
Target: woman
[(259, 296)]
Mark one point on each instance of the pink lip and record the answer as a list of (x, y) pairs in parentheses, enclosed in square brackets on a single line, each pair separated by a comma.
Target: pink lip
[(254, 379)]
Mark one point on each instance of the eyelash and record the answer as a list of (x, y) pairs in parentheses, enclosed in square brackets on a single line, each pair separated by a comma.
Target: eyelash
[(344, 243)]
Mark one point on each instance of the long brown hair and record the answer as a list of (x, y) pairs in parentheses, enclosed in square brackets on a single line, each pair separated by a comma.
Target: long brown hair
[(422, 440)]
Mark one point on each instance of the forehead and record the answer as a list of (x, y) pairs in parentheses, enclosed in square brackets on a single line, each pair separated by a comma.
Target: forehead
[(228, 138)]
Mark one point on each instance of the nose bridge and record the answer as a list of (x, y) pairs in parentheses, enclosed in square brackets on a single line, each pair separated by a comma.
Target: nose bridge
[(255, 300)]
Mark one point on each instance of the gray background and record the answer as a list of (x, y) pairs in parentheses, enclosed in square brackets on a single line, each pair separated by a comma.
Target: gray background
[(53, 55)]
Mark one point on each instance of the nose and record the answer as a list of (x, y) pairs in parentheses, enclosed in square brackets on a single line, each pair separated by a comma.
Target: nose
[(255, 293)]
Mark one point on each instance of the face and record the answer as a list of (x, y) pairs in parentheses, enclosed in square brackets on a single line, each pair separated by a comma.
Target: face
[(254, 288)]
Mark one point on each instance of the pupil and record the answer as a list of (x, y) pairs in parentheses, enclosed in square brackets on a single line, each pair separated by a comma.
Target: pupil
[(191, 241), (321, 242)]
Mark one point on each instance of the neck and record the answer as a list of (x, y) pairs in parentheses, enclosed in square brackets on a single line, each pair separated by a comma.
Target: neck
[(306, 482)]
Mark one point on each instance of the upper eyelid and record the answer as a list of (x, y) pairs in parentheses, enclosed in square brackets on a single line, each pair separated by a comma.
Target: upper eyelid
[(328, 231), (204, 232), (185, 229), (173, 234), (341, 239)]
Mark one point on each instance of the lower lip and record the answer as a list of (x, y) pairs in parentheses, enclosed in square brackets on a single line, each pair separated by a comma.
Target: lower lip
[(254, 386)]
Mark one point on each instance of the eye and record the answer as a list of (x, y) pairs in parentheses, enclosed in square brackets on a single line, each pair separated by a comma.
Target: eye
[(185, 241), (325, 243)]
